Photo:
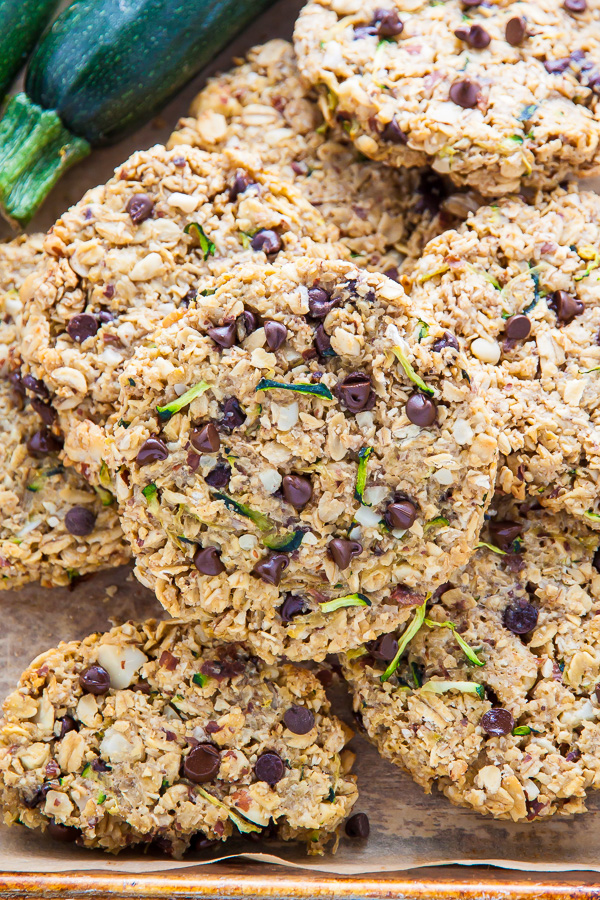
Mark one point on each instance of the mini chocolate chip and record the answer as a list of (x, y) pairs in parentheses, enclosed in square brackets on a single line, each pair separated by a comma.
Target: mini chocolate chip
[(36, 386), (99, 765), (82, 326), (246, 324), (394, 134), (271, 568), (269, 767), (565, 306), (520, 617), (471, 3), (292, 606), (387, 22), (358, 826), (573, 755), (320, 303), (401, 514), (297, 490), (497, 722), (267, 240), (384, 647), (465, 93), (201, 842), (41, 793), (223, 335), (46, 413), (67, 724), (219, 476), (557, 66), (233, 414), (575, 6), (299, 719), (208, 561), (80, 521), (43, 442), (322, 343), (364, 31), (356, 393), (95, 680), (596, 560), (275, 334), (241, 183), (447, 340), (202, 764), (205, 440), (421, 410), (517, 328), (105, 316), (504, 532), (63, 833), (475, 36), (152, 450), (140, 208), (343, 552), (515, 31)]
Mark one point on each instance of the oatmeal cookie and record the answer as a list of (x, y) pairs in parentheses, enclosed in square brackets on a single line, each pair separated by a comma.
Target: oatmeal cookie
[(55, 526), (296, 461), (138, 247), (518, 286), (262, 106), (150, 733), (499, 96), (506, 722)]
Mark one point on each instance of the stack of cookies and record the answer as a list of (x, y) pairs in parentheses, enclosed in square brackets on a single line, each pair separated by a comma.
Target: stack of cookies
[(327, 369)]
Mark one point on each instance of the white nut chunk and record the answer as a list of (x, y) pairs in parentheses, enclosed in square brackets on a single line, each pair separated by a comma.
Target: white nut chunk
[(121, 663)]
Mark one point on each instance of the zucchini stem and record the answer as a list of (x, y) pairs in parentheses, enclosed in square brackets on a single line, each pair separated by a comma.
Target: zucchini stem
[(35, 150)]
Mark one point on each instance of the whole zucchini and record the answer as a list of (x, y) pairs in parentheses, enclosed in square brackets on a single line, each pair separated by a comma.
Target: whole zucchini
[(104, 68), (21, 24)]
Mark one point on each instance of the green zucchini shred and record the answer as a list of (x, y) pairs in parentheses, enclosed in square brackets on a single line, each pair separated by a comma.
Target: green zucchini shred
[(207, 246), (589, 514), (104, 477), (200, 679), (468, 651), (260, 519), (343, 602), (150, 492), (316, 390), (37, 484), (361, 476), (465, 687), (439, 271), (438, 522), (527, 112), (241, 824), (491, 547), (410, 372), (521, 730), (106, 497), (165, 412), (286, 543), (423, 330), (594, 369), (409, 633)]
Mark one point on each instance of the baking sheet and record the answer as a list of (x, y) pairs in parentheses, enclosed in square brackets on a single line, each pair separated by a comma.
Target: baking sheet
[(408, 828)]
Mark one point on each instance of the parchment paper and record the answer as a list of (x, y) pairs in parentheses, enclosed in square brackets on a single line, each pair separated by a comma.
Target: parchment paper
[(408, 828)]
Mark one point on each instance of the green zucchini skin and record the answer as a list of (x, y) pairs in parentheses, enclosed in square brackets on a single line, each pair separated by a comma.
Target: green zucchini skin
[(107, 66), (21, 24)]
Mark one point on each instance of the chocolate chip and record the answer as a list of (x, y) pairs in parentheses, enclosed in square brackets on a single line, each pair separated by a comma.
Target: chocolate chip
[(384, 647), (401, 514), (469, 4), (575, 6), (275, 334), (515, 31), (465, 93), (80, 521), (46, 413), (297, 490), (95, 680), (557, 66), (140, 208), (43, 442), (67, 724), (208, 561), (292, 606), (299, 719), (40, 795), (63, 833), (152, 450), (241, 183), (271, 568), (504, 532), (364, 31), (520, 617), (343, 552), (322, 343), (394, 134), (475, 36), (219, 476), (202, 764), (269, 767), (356, 393), (320, 303), (517, 328), (82, 326), (497, 722), (223, 335), (387, 22), (246, 324), (205, 440), (268, 241), (565, 306), (596, 560), (421, 410), (233, 414), (358, 826), (105, 316), (447, 340), (36, 386)]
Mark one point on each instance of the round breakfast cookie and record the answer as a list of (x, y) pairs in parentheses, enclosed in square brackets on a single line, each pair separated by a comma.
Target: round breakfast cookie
[(149, 733), (518, 285), (55, 526), (509, 722), (299, 456), (496, 95), (263, 107), (138, 247)]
